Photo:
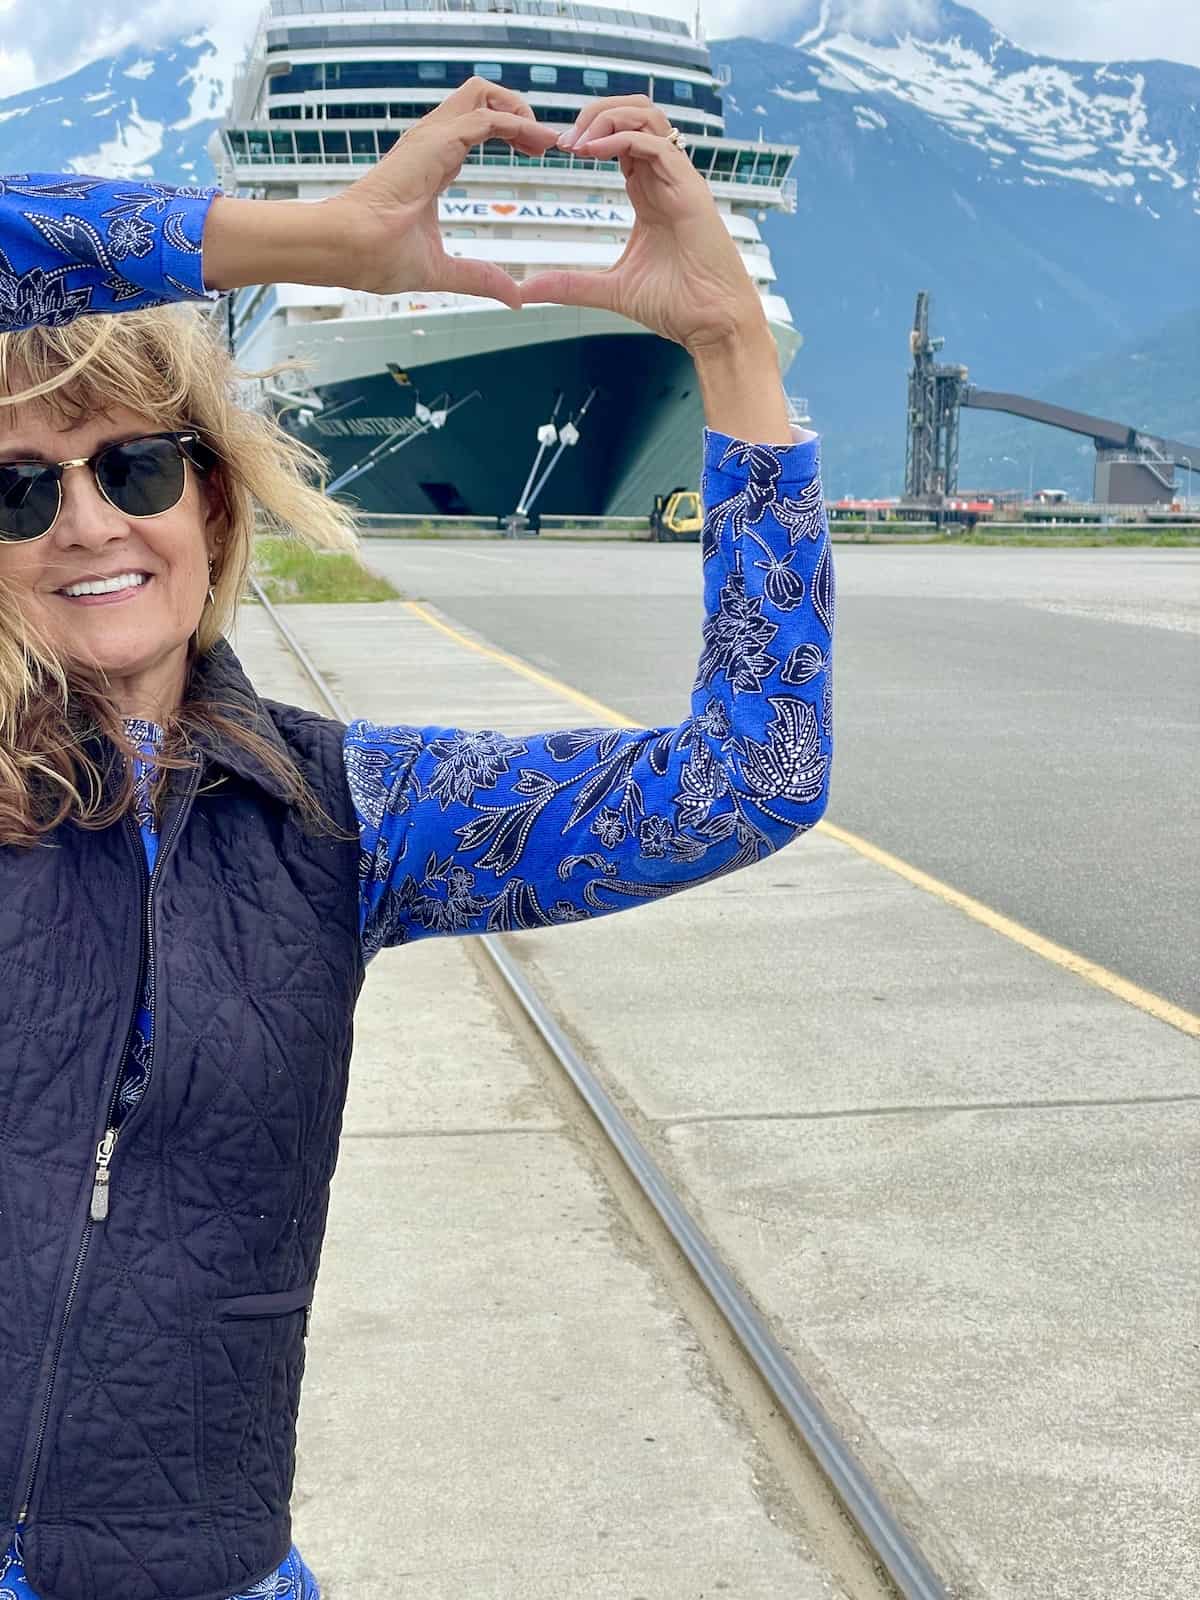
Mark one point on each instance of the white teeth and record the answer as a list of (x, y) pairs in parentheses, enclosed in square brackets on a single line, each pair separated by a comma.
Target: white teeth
[(125, 580)]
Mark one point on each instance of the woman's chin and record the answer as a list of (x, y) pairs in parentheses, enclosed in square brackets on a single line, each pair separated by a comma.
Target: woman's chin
[(127, 661)]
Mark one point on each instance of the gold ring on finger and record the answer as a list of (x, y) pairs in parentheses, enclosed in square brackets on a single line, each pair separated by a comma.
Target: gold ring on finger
[(677, 139)]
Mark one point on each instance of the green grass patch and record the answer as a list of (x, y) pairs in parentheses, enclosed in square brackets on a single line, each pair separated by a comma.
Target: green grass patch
[(292, 574), (1081, 541)]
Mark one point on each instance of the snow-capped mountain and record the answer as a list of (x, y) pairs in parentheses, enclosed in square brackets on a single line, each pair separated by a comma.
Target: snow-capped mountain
[(143, 113), (1052, 208), (1127, 131)]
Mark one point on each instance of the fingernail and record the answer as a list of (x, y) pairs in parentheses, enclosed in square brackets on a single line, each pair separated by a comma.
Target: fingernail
[(566, 140)]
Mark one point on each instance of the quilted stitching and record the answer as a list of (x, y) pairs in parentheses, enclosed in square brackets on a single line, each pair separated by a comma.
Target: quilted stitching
[(169, 1456)]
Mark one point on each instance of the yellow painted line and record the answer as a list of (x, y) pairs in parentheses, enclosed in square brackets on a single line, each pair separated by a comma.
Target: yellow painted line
[(594, 708), (1152, 1004)]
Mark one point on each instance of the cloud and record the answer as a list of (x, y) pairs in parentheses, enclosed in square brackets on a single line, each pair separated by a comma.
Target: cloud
[(45, 39), (50, 38), (17, 71), (1101, 30), (787, 19), (1081, 30)]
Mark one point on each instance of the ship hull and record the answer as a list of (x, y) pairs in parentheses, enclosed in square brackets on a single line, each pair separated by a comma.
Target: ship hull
[(640, 436)]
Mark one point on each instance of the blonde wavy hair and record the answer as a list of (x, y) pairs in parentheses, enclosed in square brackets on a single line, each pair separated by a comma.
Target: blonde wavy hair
[(169, 364)]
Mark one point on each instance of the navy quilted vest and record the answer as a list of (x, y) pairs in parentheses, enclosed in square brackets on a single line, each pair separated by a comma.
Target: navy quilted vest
[(150, 1381)]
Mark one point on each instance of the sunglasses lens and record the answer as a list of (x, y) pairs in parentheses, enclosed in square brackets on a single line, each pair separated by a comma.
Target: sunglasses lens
[(28, 499), (143, 476)]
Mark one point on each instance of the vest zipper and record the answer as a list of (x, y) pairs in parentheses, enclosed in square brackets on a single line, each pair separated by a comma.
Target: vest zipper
[(98, 1209)]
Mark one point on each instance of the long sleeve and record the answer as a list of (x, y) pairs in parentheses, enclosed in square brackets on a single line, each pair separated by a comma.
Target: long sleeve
[(70, 245), (472, 832)]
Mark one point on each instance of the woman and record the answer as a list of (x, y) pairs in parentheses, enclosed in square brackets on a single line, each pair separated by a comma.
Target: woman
[(192, 879)]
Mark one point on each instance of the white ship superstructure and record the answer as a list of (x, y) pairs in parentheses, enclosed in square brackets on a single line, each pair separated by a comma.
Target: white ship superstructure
[(433, 401)]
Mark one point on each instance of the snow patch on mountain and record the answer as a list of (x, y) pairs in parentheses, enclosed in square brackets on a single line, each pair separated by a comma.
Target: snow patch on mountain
[(1053, 116), (131, 151), (146, 112)]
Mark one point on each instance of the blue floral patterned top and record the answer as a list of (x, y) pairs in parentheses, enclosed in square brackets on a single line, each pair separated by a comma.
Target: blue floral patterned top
[(476, 831)]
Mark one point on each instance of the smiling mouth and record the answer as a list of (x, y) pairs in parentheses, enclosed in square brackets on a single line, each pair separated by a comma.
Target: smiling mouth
[(122, 587)]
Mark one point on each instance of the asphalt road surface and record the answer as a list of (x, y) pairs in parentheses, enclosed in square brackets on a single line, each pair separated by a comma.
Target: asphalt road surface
[(1022, 724)]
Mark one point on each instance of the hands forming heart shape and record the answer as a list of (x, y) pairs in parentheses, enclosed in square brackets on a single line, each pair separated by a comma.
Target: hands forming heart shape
[(680, 274)]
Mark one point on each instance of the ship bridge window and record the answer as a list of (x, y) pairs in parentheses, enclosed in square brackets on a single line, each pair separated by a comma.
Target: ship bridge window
[(387, 138), (359, 110), (282, 147), (538, 74), (308, 145), (362, 144), (336, 144), (381, 73), (681, 90)]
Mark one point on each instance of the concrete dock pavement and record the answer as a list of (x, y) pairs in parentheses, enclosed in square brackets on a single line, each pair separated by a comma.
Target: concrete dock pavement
[(502, 1398), (960, 1182)]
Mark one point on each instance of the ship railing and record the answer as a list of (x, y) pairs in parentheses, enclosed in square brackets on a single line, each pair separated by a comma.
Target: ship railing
[(273, 148), (375, 305), (566, 9), (241, 102)]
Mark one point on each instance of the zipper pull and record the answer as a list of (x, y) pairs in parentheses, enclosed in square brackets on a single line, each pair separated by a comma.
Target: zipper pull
[(104, 1154)]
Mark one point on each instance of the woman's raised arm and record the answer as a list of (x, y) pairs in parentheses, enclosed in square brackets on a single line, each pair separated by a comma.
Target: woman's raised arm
[(73, 245), (473, 832)]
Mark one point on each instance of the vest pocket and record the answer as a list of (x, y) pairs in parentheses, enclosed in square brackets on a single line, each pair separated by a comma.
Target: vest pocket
[(267, 1305), (253, 1353)]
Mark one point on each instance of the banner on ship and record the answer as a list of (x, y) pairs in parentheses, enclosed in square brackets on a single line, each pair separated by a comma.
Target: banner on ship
[(540, 211)]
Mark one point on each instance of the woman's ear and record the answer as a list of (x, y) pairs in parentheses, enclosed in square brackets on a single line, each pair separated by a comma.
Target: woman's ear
[(216, 513)]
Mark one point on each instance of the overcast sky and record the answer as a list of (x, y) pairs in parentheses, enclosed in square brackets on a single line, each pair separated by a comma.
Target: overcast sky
[(43, 39)]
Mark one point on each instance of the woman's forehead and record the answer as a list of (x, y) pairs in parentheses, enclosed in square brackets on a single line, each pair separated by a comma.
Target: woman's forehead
[(48, 432)]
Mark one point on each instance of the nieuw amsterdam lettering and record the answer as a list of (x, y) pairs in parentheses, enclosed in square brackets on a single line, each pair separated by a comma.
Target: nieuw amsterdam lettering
[(346, 427)]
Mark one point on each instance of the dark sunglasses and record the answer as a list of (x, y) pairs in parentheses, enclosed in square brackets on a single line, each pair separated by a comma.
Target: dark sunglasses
[(140, 477)]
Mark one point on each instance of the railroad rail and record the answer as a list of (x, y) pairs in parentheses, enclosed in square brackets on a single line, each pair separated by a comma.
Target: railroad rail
[(885, 1538)]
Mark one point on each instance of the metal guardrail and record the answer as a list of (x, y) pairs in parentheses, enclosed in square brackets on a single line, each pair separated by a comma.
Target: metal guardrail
[(379, 524), (284, 154)]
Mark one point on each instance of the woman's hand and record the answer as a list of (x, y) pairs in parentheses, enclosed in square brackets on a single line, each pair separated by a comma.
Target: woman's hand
[(680, 274), (390, 215), (381, 233)]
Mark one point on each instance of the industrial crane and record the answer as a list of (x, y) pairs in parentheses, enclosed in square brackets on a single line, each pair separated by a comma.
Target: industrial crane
[(1133, 467)]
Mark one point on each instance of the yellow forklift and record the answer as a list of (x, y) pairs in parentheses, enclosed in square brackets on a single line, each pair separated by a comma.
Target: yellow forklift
[(676, 515)]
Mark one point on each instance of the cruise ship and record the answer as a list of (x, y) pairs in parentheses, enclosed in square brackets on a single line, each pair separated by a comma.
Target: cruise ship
[(438, 404)]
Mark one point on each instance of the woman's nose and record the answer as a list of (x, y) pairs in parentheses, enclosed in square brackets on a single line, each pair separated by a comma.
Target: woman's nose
[(86, 517)]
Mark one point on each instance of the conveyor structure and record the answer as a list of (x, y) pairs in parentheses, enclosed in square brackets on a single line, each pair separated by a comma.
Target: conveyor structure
[(1133, 467)]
